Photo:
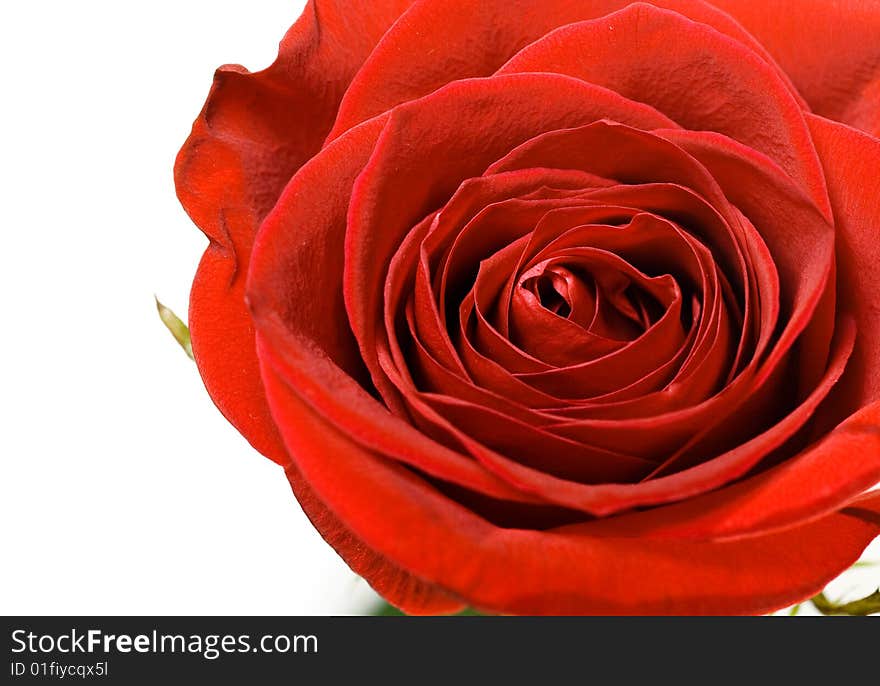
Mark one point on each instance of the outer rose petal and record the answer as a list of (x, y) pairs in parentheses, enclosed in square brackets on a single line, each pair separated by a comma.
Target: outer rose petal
[(692, 73), (566, 570), (439, 41), (254, 132), (852, 160), (831, 51), (398, 587)]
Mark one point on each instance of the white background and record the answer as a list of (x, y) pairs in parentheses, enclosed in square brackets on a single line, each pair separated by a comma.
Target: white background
[(123, 490)]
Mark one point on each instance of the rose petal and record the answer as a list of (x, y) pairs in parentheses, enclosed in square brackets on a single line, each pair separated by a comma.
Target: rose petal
[(254, 132), (439, 41), (830, 50), (402, 518), (398, 587), (852, 160), (697, 76), (791, 225), (610, 498)]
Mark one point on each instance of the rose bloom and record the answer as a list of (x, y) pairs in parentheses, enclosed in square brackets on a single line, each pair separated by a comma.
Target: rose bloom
[(556, 306)]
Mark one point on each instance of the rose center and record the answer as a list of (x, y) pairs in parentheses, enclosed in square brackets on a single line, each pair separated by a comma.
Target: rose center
[(551, 290), (603, 301)]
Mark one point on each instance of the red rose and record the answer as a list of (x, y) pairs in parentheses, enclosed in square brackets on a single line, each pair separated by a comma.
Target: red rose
[(556, 306)]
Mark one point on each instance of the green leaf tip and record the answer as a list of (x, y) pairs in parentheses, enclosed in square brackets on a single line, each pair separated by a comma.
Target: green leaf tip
[(178, 329)]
